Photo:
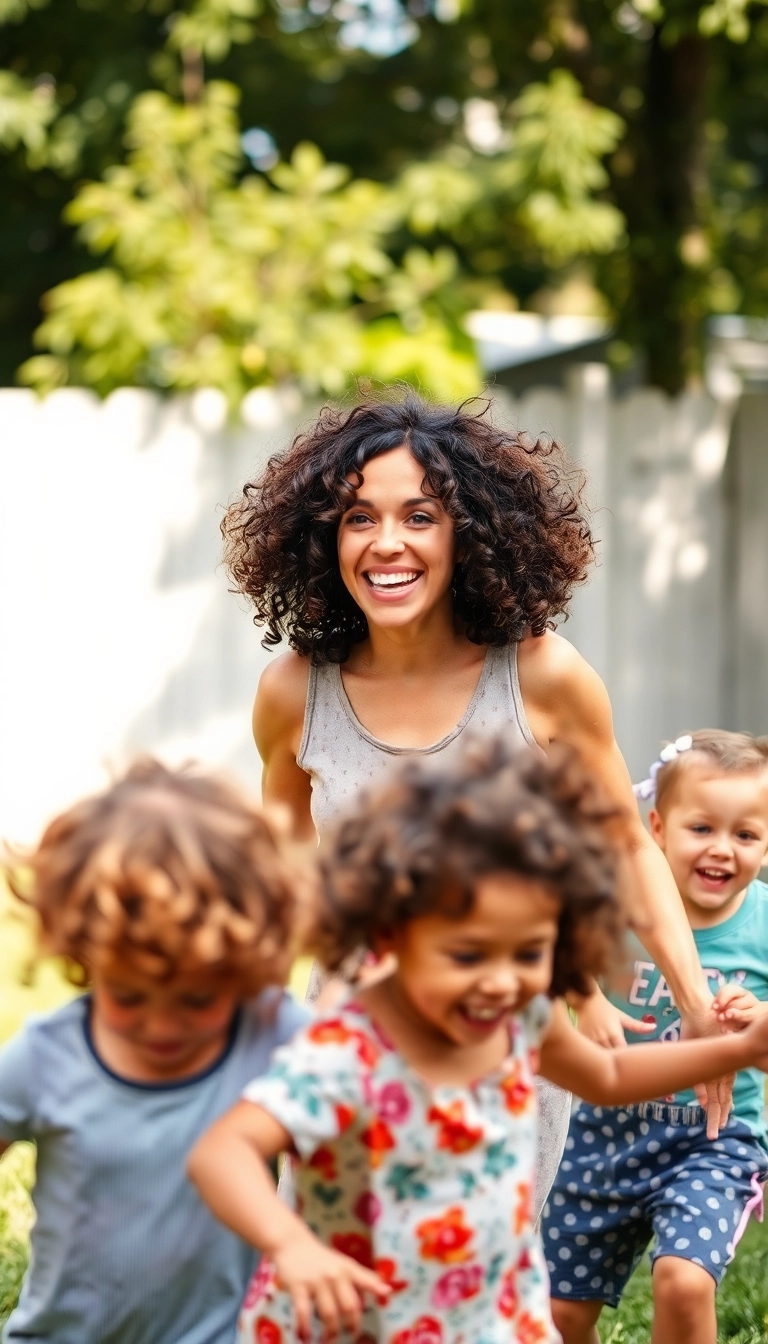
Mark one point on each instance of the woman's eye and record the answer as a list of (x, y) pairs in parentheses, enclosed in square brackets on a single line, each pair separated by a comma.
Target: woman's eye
[(421, 518), (356, 519)]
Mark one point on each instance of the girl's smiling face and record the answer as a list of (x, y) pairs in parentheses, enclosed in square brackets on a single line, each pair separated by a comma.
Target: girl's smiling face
[(465, 976), (714, 833), (396, 544)]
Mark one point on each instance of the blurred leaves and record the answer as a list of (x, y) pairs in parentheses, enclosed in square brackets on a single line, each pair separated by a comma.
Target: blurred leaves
[(26, 112), (234, 281)]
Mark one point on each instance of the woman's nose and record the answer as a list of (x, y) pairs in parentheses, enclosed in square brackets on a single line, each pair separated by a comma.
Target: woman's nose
[(387, 540)]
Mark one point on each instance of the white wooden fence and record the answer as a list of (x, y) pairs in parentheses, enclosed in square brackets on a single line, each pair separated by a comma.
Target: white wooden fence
[(118, 633)]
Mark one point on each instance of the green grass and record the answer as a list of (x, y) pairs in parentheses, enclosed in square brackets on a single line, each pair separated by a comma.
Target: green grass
[(742, 1302), (24, 988)]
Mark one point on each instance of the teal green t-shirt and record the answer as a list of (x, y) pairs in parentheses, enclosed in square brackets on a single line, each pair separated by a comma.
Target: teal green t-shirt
[(736, 950)]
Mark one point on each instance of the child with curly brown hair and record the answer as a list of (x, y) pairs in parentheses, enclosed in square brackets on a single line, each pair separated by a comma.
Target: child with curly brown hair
[(410, 1108), (415, 558), (171, 898)]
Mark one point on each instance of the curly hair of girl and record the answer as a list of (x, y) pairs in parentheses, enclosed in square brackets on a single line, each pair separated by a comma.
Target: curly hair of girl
[(421, 842)]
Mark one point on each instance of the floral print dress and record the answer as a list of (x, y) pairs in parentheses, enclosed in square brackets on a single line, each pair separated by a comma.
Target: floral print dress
[(430, 1186)]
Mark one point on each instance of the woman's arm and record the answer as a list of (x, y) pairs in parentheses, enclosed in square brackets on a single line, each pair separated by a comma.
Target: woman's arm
[(567, 702), (278, 724), (630, 1074), (228, 1165)]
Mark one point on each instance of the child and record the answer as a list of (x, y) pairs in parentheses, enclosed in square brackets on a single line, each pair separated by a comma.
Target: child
[(410, 1108), (170, 897), (650, 1170)]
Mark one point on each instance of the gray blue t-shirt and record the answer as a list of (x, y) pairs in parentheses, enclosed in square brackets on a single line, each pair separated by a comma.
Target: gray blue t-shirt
[(734, 951), (123, 1249)]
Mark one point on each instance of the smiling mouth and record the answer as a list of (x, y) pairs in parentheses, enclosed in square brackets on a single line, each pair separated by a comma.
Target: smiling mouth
[(714, 876), (387, 581)]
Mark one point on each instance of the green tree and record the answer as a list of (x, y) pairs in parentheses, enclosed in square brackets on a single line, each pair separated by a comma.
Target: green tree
[(428, 102), (234, 280)]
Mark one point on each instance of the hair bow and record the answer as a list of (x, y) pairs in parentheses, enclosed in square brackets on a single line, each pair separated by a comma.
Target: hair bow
[(646, 790)]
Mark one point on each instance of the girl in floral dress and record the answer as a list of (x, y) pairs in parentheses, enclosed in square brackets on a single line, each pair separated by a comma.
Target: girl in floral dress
[(409, 1109)]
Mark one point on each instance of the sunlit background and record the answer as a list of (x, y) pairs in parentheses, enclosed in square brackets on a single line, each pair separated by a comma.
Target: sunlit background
[(218, 213)]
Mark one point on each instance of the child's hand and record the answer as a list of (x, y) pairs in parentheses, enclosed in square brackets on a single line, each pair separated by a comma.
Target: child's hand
[(600, 1021), (735, 1007), (327, 1282)]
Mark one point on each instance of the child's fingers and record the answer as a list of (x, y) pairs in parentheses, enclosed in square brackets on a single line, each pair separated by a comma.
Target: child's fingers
[(637, 1025), (302, 1310), (348, 1301), (368, 1281), (327, 1310)]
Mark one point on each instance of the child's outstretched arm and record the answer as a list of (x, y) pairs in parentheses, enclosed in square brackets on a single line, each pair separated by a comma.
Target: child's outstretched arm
[(623, 1076), (228, 1165)]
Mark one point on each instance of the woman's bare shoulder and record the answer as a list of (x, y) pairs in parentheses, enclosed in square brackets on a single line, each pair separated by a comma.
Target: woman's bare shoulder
[(281, 697), (548, 664)]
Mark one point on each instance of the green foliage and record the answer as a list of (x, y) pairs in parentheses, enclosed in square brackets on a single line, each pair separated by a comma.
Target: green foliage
[(26, 112), (523, 139), (233, 282)]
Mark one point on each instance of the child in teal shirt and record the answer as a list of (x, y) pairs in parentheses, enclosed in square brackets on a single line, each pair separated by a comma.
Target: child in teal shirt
[(646, 1172)]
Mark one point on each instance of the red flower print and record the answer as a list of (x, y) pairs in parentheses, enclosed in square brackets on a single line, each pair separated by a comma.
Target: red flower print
[(393, 1103), (344, 1116), (366, 1050), (426, 1330), (531, 1329), (378, 1138), (523, 1208), (355, 1246), (456, 1286), (324, 1161), (387, 1270), (368, 1208), (266, 1332), (445, 1239), (517, 1089), (524, 1262), (330, 1032), (261, 1284), (508, 1295), (455, 1134)]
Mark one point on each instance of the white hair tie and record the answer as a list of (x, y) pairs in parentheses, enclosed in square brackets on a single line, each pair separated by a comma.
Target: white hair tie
[(647, 789)]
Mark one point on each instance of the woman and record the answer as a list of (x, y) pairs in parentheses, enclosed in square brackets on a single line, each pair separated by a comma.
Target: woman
[(414, 557)]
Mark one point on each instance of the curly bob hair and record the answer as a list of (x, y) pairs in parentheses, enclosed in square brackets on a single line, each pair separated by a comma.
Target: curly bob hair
[(167, 871), (522, 535), (420, 843)]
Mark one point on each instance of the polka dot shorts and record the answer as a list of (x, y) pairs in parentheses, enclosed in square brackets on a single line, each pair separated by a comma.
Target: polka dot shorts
[(626, 1178)]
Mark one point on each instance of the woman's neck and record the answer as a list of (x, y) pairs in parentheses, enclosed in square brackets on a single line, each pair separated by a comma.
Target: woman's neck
[(422, 647)]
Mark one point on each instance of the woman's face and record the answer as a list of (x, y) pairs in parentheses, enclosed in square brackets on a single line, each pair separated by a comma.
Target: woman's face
[(397, 546)]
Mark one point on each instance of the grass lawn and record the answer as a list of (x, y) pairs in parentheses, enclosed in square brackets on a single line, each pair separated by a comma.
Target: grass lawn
[(742, 1303)]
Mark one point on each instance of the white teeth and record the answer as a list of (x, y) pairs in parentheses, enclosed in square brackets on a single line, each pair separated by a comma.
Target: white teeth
[(389, 580)]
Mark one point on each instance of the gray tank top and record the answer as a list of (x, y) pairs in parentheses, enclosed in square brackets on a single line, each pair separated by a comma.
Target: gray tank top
[(342, 757)]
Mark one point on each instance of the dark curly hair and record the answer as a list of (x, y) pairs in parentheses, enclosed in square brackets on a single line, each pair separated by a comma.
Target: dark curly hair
[(523, 538), (420, 843), (163, 870)]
